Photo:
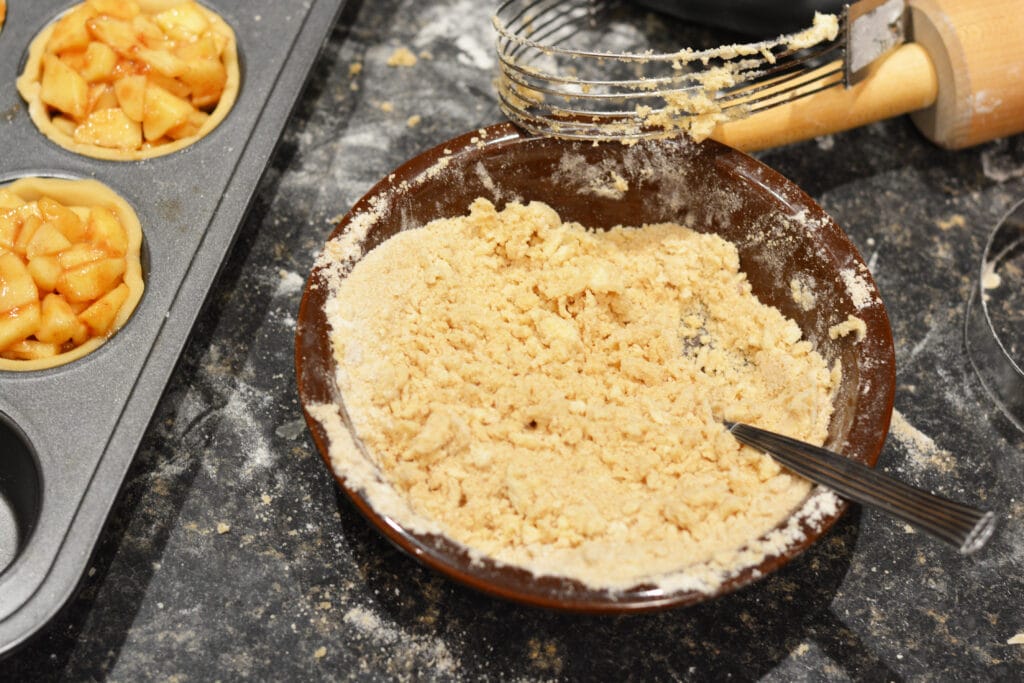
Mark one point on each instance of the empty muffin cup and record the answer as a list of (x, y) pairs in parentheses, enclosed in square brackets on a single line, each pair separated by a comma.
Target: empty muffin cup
[(20, 488)]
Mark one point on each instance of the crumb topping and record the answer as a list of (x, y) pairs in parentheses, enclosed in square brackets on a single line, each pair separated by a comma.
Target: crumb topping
[(550, 396)]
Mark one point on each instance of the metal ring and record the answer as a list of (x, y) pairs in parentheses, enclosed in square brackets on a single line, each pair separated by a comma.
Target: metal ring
[(1000, 374)]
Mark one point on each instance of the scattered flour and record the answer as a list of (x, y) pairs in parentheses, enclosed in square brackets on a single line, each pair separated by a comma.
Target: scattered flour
[(990, 279), (291, 430), (857, 287), (243, 420), (290, 283), (598, 179), (476, 47), (826, 143), (920, 447), (802, 294), (1000, 163), (433, 650), (985, 102), (473, 52)]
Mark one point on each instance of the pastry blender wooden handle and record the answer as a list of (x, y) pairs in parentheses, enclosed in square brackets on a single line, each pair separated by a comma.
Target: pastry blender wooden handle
[(961, 79)]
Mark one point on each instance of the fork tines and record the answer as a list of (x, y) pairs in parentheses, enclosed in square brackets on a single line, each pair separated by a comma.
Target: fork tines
[(559, 77)]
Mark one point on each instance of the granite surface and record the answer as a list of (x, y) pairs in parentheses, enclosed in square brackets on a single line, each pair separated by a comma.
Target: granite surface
[(231, 554)]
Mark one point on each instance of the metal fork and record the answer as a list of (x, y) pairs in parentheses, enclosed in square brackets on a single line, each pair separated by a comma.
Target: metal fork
[(551, 81), (964, 527)]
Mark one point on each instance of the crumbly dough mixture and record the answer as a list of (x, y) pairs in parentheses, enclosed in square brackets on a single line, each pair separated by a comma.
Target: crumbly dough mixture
[(402, 56), (551, 396), (852, 325)]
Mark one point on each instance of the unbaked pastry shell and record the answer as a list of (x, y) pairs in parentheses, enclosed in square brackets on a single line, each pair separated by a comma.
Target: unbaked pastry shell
[(86, 193), (29, 85)]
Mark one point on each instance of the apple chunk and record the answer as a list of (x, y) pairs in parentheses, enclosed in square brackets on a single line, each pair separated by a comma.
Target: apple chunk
[(131, 95), (58, 322), (100, 315), (105, 230), (110, 128), (47, 239), (69, 33), (30, 349), (206, 79), (91, 280), (117, 33), (17, 324), (45, 271), (62, 218), (17, 288), (100, 60), (63, 88), (162, 112), (184, 18)]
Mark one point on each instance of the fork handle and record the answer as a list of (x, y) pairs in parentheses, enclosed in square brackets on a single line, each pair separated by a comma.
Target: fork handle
[(963, 526)]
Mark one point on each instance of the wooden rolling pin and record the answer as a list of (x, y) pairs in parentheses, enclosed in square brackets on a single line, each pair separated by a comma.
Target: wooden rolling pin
[(961, 79)]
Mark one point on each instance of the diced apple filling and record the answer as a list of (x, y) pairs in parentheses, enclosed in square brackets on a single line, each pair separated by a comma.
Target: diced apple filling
[(61, 275), (115, 77)]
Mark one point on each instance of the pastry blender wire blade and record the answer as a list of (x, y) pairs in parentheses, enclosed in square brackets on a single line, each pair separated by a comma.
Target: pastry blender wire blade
[(555, 80)]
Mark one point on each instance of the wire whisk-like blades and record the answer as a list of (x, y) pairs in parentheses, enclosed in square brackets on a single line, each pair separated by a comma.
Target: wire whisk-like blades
[(558, 75)]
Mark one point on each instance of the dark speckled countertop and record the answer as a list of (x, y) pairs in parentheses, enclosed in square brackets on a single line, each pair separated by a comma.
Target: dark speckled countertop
[(230, 553)]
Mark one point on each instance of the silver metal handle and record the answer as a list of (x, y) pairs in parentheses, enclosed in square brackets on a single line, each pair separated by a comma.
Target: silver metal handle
[(963, 526)]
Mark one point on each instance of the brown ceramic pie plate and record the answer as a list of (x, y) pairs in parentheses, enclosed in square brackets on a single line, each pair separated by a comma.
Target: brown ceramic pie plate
[(780, 232)]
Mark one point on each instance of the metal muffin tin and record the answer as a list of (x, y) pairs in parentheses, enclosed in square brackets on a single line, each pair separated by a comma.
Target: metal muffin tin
[(69, 434)]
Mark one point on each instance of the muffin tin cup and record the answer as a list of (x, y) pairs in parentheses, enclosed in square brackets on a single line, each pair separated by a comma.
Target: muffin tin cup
[(68, 434)]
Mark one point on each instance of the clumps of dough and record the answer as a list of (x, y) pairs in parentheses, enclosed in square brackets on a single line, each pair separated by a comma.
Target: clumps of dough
[(550, 396), (852, 325), (402, 56), (802, 294)]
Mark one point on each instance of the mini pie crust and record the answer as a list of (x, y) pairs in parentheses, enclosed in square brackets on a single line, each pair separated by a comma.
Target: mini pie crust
[(29, 86), (86, 194)]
